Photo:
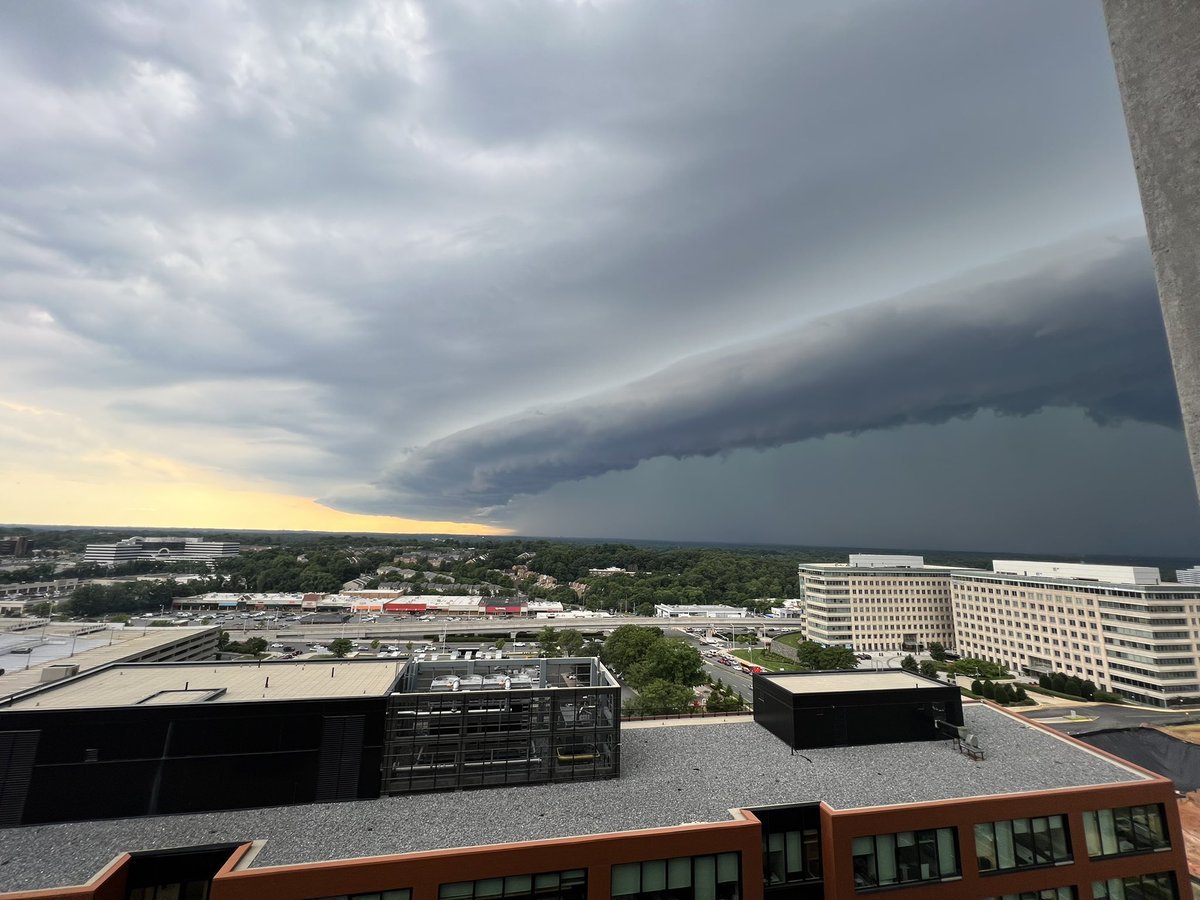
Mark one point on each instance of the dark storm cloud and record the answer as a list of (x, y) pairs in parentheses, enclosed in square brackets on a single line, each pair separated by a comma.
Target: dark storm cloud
[(1081, 331), (347, 228)]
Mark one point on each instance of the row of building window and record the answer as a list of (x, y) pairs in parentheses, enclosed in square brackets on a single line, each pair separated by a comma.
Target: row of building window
[(1020, 843), (712, 877), (1137, 887), (879, 861)]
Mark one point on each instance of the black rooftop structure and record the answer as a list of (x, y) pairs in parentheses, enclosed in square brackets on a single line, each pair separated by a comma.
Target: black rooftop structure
[(840, 709)]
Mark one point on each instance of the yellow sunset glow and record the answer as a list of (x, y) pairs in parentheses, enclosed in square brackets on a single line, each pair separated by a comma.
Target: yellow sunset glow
[(34, 498)]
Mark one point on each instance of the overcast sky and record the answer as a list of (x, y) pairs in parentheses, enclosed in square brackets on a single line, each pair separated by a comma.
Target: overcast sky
[(845, 272)]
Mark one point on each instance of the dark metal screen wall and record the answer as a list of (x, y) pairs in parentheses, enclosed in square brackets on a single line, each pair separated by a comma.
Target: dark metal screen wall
[(468, 739)]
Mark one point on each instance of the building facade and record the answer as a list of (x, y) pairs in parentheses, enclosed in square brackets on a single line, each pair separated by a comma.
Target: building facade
[(1116, 626), (164, 549), (1037, 815), (877, 603)]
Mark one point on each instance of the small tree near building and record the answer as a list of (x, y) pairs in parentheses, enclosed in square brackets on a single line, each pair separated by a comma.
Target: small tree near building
[(929, 668), (937, 650), (909, 662), (339, 647)]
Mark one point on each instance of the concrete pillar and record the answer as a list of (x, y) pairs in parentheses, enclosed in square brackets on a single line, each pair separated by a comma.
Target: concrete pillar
[(1156, 50)]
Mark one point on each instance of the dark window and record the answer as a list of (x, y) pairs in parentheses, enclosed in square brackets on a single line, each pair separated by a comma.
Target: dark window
[(398, 894), (714, 877), (1137, 887), (1062, 893), (1129, 829), (905, 857), (569, 885), (792, 856), (1020, 843)]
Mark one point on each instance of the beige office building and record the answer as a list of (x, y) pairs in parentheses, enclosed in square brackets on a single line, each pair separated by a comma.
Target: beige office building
[(876, 602), (1117, 626)]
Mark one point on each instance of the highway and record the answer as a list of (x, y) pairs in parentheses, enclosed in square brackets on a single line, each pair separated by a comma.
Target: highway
[(406, 629)]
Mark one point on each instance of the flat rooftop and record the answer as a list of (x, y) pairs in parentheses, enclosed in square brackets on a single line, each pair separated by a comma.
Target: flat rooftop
[(837, 682), (693, 772), (90, 649), (208, 682)]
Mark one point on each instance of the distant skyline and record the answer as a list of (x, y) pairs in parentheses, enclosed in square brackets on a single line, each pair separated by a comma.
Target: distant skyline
[(846, 273)]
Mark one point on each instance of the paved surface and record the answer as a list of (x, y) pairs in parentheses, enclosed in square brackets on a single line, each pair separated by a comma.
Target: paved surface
[(692, 774), (1106, 715)]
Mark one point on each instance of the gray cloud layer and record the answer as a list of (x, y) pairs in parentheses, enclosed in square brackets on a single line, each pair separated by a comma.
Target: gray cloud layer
[(285, 240), (1082, 331)]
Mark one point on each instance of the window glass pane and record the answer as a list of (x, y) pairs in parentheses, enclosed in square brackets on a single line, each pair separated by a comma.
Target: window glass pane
[(1154, 823), (626, 879), (1108, 831), (1124, 828), (927, 854), (985, 846), (1023, 843), (396, 895), (727, 867), (517, 884), (679, 872), (775, 864), (654, 875), (1005, 855), (1091, 832), (456, 890), (706, 877), (947, 852), (1060, 847), (795, 854), (864, 862), (1041, 840), (906, 856), (489, 887), (885, 859), (812, 853)]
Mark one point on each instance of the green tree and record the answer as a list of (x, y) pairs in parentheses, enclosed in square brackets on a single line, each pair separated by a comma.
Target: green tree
[(662, 697), (339, 647), (723, 699), (668, 660), (836, 658), (547, 641), (909, 662), (989, 690), (1021, 696), (1088, 690), (929, 668), (500, 642), (977, 688), (570, 641), (1058, 682), (1044, 681), (375, 644), (937, 650), (628, 644)]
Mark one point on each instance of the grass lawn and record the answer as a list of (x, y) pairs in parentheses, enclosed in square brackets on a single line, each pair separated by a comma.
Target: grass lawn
[(792, 639), (772, 662)]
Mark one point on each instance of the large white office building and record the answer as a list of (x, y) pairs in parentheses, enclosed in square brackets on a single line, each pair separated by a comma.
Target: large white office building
[(877, 602), (164, 549), (1117, 626)]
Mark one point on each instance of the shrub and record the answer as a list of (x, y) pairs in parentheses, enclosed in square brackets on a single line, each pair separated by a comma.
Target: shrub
[(1106, 697), (977, 687)]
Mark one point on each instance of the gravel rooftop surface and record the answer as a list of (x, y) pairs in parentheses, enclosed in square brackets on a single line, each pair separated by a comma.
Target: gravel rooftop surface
[(670, 775)]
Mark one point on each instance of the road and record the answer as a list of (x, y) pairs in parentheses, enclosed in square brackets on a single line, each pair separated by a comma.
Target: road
[(406, 629)]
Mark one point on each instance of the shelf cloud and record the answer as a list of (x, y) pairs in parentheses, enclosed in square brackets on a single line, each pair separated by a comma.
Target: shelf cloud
[(1076, 327)]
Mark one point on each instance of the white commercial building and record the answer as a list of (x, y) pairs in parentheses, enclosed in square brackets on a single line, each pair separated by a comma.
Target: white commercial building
[(1116, 626), (1188, 576), (876, 602), (164, 549), (714, 611)]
